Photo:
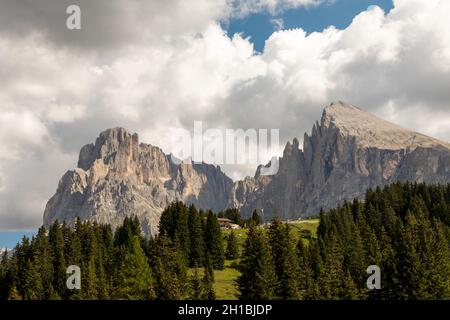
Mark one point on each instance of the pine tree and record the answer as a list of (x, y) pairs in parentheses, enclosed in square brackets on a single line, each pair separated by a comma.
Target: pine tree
[(258, 278), (408, 260), (322, 229), (440, 252), (167, 222), (372, 248), (134, 280), (389, 269), (22, 254), (316, 258), (214, 241), (4, 279), (92, 284), (231, 251), (255, 219), (330, 281), (285, 260), (208, 281), (197, 239), (355, 259), (105, 260), (125, 234), (196, 292), (349, 288), (32, 285), (170, 271), (181, 237), (42, 255), (59, 266), (305, 280)]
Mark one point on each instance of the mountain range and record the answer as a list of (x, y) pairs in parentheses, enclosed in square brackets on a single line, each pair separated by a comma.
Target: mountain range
[(348, 151)]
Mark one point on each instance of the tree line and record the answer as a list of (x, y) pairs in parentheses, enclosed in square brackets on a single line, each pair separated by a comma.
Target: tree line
[(118, 265), (404, 229)]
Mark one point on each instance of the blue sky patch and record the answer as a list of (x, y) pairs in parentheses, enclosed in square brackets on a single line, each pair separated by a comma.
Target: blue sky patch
[(260, 26), (9, 239)]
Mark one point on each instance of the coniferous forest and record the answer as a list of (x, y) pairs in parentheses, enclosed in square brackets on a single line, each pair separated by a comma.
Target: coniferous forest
[(404, 229)]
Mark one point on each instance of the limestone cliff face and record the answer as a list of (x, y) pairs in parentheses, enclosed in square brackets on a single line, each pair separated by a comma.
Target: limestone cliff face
[(118, 177), (347, 152)]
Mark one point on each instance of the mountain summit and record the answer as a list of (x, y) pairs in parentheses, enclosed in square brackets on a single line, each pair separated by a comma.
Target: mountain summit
[(349, 151), (118, 177), (372, 131)]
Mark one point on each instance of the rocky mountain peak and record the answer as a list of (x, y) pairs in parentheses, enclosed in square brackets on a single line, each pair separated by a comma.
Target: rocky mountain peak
[(348, 151), (112, 145), (291, 147), (373, 132), (117, 176)]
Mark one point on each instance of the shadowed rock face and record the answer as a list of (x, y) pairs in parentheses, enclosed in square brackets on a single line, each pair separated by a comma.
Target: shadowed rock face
[(347, 152), (118, 177)]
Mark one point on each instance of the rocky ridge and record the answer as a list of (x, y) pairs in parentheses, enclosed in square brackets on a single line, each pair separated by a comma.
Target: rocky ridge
[(118, 176), (348, 151)]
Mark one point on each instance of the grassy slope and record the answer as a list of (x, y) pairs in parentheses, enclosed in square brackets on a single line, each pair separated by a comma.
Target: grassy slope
[(225, 280)]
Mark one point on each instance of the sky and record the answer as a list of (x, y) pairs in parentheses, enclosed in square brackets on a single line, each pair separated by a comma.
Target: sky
[(9, 239), (154, 67), (260, 25)]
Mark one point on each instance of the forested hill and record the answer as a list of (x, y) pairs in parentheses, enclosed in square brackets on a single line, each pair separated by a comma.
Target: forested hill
[(404, 229)]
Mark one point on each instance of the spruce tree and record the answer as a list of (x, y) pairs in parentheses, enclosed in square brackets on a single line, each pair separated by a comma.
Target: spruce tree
[(196, 289), (214, 241), (32, 285), (389, 274), (42, 255), (255, 219), (170, 271), (355, 259), (258, 279), (208, 281), (197, 238), (440, 252), (91, 283), (4, 281), (285, 260), (331, 278), (134, 280), (349, 289), (408, 260), (305, 277), (181, 237), (59, 265), (232, 249)]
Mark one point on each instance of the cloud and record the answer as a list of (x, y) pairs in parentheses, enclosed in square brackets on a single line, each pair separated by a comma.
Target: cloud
[(20, 132), (132, 66), (380, 62), (242, 8), (109, 26), (278, 23)]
